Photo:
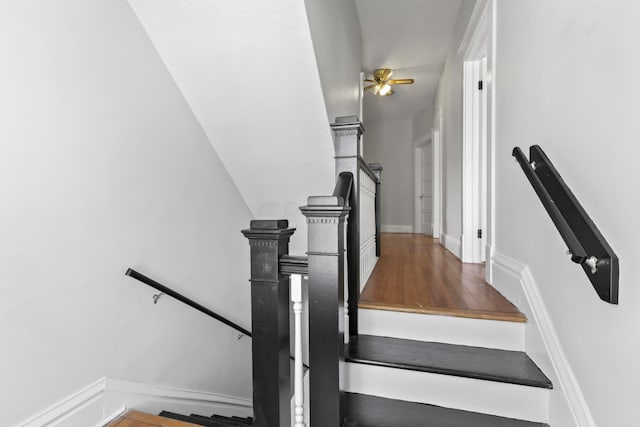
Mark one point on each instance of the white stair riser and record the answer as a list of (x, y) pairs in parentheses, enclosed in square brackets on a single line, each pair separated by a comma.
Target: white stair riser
[(489, 397), (447, 329)]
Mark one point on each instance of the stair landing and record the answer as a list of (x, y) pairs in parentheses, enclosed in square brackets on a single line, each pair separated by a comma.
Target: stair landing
[(416, 274)]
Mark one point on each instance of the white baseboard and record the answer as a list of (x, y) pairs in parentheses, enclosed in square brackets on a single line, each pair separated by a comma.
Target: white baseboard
[(515, 281), (99, 401), (397, 228), (452, 244)]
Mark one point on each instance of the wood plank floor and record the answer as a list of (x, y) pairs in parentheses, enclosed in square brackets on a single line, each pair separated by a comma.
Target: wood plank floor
[(416, 274), (141, 419)]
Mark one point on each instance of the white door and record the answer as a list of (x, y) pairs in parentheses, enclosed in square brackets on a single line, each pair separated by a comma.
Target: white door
[(426, 196)]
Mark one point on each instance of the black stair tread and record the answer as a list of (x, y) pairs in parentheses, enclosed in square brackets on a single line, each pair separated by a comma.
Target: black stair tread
[(506, 366), (207, 422), (232, 421), (370, 411)]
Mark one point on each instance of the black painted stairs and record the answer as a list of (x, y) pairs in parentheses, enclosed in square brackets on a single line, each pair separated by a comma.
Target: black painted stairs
[(362, 410)]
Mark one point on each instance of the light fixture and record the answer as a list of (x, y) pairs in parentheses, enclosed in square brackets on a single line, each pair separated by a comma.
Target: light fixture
[(384, 89)]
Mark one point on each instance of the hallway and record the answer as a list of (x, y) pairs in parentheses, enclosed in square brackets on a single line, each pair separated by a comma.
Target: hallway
[(416, 274)]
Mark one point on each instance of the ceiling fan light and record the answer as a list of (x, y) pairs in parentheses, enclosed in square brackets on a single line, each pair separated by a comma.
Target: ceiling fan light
[(384, 89), (376, 89)]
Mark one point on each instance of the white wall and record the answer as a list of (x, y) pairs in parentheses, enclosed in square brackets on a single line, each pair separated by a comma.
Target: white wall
[(249, 73), (567, 79), (103, 167), (389, 142), (449, 101), (421, 126), (335, 31)]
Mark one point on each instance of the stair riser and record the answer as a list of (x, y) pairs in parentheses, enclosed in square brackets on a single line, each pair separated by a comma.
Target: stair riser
[(507, 400), (447, 329)]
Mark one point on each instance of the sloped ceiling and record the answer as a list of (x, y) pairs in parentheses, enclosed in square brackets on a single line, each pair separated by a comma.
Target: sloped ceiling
[(411, 37), (247, 70)]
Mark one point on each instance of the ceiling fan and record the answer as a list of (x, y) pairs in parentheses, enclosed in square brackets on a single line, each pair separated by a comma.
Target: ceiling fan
[(382, 83)]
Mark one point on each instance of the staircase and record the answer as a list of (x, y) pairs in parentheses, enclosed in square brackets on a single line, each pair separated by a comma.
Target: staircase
[(394, 381)]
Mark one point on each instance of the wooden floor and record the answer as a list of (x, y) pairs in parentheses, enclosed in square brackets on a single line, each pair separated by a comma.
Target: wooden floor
[(141, 419), (416, 274)]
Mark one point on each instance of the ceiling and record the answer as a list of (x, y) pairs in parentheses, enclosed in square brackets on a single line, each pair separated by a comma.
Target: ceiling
[(411, 37)]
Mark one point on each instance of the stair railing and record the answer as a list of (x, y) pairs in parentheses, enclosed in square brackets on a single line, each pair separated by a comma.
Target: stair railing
[(174, 294), (587, 246), (338, 258)]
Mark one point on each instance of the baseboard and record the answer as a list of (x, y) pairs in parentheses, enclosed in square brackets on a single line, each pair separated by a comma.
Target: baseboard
[(397, 228), (451, 243), (85, 403), (99, 401), (515, 281)]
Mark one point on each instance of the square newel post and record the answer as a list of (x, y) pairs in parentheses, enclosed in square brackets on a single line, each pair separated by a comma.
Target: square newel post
[(268, 241), (325, 219), (347, 132), (377, 170)]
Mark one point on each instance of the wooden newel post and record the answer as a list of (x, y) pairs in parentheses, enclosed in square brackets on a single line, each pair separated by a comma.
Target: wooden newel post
[(347, 132), (377, 170), (326, 218), (269, 240)]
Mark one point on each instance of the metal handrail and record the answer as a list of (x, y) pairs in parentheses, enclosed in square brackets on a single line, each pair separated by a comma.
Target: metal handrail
[(586, 244), (168, 291)]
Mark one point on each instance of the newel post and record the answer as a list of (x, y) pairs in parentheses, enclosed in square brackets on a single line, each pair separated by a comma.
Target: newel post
[(347, 132), (326, 221), (268, 241), (377, 170)]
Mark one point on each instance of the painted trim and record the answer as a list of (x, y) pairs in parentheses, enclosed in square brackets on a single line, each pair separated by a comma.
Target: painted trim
[(68, 407), (451, 244), (540, 318), (111, 395), (397, 228)]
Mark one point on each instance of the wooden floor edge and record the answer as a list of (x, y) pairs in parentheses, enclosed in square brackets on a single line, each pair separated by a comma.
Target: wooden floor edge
[(137, 418), (465, 313)]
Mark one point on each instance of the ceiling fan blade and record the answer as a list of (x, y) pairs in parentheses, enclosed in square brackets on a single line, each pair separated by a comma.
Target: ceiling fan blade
[(401, 82), (382, 74), (368, 87), (369, 80)]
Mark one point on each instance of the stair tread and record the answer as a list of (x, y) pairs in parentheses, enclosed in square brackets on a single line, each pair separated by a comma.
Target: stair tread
[(506, 366), (370, 411), (199, 420)]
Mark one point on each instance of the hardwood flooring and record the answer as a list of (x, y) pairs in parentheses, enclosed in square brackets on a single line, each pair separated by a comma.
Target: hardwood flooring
[(141, 419), (416, 274)]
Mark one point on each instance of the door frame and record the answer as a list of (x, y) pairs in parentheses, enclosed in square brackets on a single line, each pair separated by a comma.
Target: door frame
[(418, 152), (477, 42), (436, 159)]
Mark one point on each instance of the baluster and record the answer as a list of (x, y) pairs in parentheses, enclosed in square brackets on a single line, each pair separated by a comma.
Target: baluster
[(298, 375)]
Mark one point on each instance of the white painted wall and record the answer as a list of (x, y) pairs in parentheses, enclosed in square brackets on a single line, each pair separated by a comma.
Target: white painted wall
[(421, 126), (389, 142), (335, 31), (567, 79), (102, 167), (249, 73), (449, 101)]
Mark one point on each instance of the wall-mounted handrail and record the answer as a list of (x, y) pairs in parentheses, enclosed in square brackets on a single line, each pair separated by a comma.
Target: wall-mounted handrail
[(586, 244), (168, 291)]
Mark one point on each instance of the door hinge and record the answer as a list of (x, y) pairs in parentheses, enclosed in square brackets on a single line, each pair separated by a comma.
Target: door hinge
[(480, 84), (479, 234)]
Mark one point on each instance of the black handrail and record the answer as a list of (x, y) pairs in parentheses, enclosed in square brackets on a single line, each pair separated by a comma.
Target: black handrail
[(586, 244), (168, 291), (344, 183), (367, 169)]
